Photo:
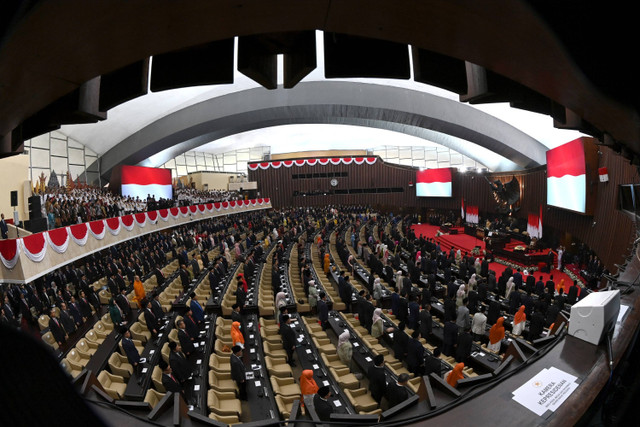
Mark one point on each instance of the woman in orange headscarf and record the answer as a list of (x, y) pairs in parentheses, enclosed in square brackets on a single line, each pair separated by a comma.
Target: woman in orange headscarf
[(496, 334), (519, 320), (307, 383), (455, 375), (138, 290), (561, 286), (236, 335), (327, 263)]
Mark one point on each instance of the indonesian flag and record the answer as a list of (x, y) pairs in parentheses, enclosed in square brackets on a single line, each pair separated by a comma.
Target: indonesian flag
[(604, 174), (141, 181), (566, 176), (472, 215), (540, 223), (533, 226), (433, 183), (462, 209)]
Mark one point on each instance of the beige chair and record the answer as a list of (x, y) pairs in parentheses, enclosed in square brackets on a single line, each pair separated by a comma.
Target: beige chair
[(104, 296), (114, 385), (173, 335), (277, 366), (285, 386), (220, 363), (273, 349), (119, 365), (49, 339), (221, 348), (166, 352), (222, 381), (153, 397), (70, 368), (156, 378), (93, 337), (324, 345), (285, 403), (77, 358), (226, 419), (224, 403), (100, 329), (107, 322), (139, 332), (86, 347), (332, 360), (43, 322), (344, 377), (361, 400)]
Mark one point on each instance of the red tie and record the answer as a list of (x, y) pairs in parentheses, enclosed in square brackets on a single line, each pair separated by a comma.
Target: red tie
[(174, 380)]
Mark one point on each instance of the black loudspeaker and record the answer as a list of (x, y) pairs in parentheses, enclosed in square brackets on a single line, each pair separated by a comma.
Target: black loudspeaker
[(34, 207), (14, 198), (36, 225)]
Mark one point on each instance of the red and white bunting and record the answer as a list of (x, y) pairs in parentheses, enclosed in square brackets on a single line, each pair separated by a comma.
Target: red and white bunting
[(58, 239), (98, 229), (35, 246), (9, 252), (127, 222), (79, 233), (312, 162)]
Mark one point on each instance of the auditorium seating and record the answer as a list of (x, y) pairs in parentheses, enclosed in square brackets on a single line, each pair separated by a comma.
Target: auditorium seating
[(223, 403), (285, 386), (222, 381), (362, 400), (119, 365), (114, 385), (278, 366), (156, 379), (153, 397), (70, 368)]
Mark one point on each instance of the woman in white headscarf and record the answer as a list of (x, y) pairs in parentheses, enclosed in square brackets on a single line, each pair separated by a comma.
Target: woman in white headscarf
[(281, 302), (461, 294), (478, 266), (510, 287), (377, 289), (377, 325), (313, 296), (345, 348), (473, 282)]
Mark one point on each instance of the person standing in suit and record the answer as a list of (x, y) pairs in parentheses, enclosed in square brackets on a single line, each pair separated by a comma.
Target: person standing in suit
[(449, 337), (432, 363), (321, 403), (288, 339), (169, 381), (67, 320), (178, 362), (130, 349), (4, 229), (196, 308), (186, 341), (463, 346), (415, 355), (377, 378), (397, 392), (123, 303), (150, 319), (238, 371), (56, 328)]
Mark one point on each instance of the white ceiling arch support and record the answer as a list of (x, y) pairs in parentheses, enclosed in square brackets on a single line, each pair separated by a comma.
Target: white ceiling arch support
[(335, 102)]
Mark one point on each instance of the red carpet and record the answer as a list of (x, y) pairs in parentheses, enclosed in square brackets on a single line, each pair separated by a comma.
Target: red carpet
[(464, 242)]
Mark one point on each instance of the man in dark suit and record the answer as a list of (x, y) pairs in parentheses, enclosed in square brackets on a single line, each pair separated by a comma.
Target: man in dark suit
[(415, 354), (196, 308), (68, 323), (190, 324), (179, 363), (288, 339), (449, 337), (539, 287), (74, 310), (150, 319), (169, 381), (463, 347), (84, 306), (156, 306), (321, 404), (551, 286), (186, 341), (4, 229), (432, 363), (130, 349), (56, 328), (238, 371), (397, 392), (377, 378), (426, 321), (123, 302)]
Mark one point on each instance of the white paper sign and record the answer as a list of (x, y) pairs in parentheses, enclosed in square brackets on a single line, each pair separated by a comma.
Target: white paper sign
[(546, 391)]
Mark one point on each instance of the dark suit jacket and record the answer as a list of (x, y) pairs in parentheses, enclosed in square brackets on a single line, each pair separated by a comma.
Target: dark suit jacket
[(449, 337), (57, 330), (131, 351), (171, 385), (377, 382), (237, 369), (323, 311), (185, 342), (415, 354), (463, 350), (322, 407), (288, 337), (432, 364), (179, 366), (396, 394), (151, 320)]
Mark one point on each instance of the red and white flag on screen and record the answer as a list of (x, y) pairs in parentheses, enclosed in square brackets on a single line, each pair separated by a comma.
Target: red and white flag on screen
[(462, 215), (566, 176), (138, 181), (540, 223), (433, 183), (472, 214)]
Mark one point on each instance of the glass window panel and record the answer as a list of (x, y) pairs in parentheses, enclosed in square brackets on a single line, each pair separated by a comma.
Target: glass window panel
[(76, 156), (41, 141), (59, 165), (58, 147), (39, 158)]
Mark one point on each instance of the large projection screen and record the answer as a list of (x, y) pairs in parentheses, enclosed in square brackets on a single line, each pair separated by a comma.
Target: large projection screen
[(139, 181), (433, 183), (567, 177)]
